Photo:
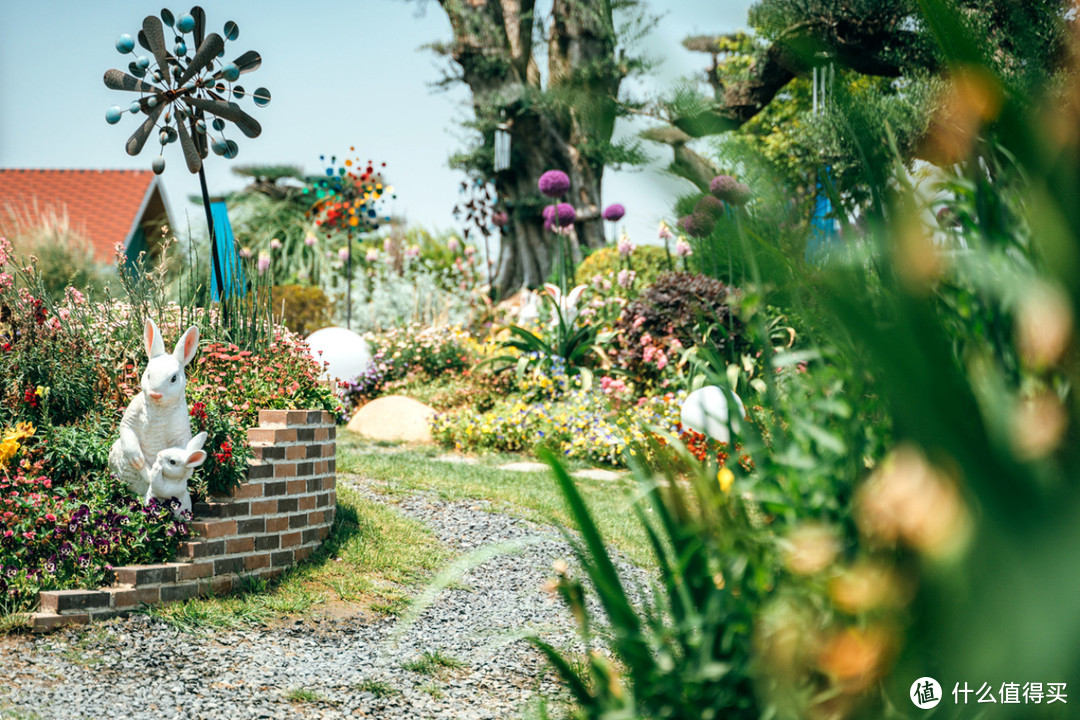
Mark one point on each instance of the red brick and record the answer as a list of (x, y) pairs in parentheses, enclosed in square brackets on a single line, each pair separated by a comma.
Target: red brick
[(316, 518), (240, 545), (328, 450), (296, 487), (302, 553), (247, 491), (263, 507), (328, 482), (322, 467), (219, 585), (298, 417), (273, 418), (307, 502), (277, 524), (192, 571), (290, 539), (296, 452), (277, 436), (126, 599), (322, 434), (41, 622), (287, 469), (256, 562), (324, 531), (214, 528)]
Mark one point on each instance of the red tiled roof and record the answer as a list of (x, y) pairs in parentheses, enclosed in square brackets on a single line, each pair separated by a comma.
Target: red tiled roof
[(106, 205)]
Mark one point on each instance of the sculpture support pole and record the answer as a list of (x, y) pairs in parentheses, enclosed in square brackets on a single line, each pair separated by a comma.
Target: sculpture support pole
[(348, 291), (215, 256)]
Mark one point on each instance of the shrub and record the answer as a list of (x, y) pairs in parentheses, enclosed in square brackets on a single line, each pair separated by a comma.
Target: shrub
[(648, 261), (671, 314), (301, 308), (227, 451), (61, 255)]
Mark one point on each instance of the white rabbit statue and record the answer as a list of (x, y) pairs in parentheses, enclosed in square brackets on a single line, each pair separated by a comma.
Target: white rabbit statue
[(157, 417), (171, 471)]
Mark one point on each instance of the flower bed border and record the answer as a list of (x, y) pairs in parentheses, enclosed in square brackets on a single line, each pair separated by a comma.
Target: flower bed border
[(277, 518)]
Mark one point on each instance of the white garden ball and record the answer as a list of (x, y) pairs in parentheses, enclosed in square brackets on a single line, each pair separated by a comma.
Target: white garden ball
[(706, 411), (346, 353)]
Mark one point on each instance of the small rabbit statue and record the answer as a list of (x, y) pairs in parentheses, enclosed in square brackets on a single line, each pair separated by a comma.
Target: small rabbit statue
[(157, 417), (172, 470)]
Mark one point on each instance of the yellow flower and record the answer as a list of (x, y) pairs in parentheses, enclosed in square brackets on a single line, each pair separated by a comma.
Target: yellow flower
[(41, 391), (725, 477), (9, 445)]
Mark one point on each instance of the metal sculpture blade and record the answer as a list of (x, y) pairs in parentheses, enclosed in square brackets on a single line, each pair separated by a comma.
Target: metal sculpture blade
[(208, 50), (191, 153), (138, 138), (228, 111), (249, 61), (155, 35), (120, 80), (200, 24)]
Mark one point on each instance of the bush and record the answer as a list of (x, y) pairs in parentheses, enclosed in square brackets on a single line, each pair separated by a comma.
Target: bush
[(227, 451), (648, 261), (301, 308), (61, 255), (673, 313)]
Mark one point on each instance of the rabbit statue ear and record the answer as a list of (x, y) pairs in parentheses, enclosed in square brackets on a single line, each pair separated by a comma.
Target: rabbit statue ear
[(187, 346), (195, 459), (152, 339), (197, 442)]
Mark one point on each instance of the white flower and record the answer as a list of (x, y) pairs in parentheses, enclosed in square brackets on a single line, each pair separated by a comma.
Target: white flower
[(682, 248), (567, 304)]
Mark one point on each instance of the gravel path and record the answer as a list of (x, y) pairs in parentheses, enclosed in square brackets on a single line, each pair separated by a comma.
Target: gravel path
[(139, 668)]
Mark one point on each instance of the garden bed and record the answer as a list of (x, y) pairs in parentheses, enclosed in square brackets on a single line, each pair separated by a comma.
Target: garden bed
[(277, 518)]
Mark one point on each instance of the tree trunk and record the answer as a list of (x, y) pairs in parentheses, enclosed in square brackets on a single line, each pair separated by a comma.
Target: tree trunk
[(493, 47)]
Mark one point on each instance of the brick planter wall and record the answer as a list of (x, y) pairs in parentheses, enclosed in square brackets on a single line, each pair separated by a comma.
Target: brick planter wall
[(277, 518)]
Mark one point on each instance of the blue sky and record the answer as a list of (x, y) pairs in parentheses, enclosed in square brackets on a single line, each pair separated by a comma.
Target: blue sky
[(346, 73)]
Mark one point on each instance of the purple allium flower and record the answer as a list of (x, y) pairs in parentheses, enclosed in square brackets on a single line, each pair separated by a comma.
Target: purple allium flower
[(500, 219), (698, 226), (565, 215), (614, 213), (710, 206), (554, 183), (730, 190)]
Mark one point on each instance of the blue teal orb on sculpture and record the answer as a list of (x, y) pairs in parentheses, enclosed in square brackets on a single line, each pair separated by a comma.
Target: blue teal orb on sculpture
[(158, 165), (134, 108), (185, 23), (113, 114), (261, 97), (142, 62), (180, 49), (218, 146), (125, 44), (230, 72), (232, 30)]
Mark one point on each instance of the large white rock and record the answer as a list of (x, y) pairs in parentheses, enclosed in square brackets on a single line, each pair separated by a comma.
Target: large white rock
[(706, 411), (393, 417), (346, 352)]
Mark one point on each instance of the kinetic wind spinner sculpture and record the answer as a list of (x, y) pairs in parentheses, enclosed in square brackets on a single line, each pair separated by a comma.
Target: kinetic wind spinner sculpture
[(348, 199), (176, 89)]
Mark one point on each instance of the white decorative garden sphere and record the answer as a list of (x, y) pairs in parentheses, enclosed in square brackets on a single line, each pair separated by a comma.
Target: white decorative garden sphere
[(706, 411), (346, 353)]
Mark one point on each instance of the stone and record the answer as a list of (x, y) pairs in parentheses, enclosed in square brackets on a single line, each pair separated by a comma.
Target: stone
[(345, 353), (394, 417), (599, 474), (706, 411)]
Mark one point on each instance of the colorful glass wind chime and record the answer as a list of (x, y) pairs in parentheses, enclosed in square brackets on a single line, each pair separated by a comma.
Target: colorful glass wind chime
[(178, 87), (348, 201), (823, 234)]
